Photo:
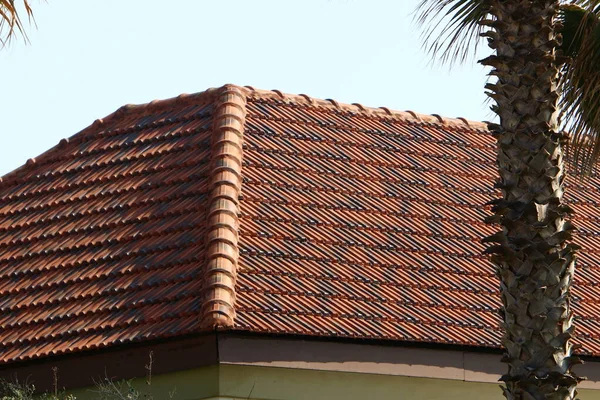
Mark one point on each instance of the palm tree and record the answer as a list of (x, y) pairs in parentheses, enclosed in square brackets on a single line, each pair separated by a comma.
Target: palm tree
[(545, 68), (10, 20)]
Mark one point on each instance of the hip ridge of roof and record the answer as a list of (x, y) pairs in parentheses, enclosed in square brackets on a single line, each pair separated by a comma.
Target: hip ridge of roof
[(218, 298)]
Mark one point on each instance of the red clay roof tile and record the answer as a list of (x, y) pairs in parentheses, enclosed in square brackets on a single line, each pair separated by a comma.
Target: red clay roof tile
[(337, 220)]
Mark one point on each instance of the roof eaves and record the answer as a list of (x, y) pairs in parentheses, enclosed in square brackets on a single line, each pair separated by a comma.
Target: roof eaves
[(218, 299)]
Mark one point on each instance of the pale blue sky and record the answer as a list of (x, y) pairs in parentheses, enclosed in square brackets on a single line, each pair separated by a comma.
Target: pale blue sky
[(89, 57)]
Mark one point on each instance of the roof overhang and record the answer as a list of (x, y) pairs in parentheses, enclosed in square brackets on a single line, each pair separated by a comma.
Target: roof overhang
[(289, 351)]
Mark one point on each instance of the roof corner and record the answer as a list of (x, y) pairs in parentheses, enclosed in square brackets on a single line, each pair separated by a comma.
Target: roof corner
[(218, 299)]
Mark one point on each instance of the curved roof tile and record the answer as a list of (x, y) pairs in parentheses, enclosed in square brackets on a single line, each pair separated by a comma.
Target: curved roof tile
[(243, 209)]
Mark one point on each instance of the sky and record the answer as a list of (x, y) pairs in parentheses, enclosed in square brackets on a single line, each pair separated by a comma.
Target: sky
[(86, 58)]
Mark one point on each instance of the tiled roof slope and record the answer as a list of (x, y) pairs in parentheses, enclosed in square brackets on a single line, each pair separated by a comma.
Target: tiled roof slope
[(352, 222), (366, 223), (107, 238)]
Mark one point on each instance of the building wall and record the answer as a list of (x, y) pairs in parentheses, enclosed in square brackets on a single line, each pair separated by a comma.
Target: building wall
[(233, 366), (196, 384), (289, 384), (233, 382)]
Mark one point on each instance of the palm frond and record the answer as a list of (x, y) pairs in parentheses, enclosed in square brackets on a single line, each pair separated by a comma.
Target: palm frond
[(11, 22), (460, 32), (580, 82)]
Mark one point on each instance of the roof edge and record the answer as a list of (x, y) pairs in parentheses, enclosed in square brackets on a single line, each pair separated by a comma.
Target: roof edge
[(103, 123), (433, 119), (248, 92), (218, 299)]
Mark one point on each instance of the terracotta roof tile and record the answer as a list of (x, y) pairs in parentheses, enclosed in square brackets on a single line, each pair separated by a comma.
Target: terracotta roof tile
[(102, 239), (366, 223), (255, 210)]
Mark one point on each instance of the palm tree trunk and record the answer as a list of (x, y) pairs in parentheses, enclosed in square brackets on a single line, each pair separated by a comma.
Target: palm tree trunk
[(533, 260)]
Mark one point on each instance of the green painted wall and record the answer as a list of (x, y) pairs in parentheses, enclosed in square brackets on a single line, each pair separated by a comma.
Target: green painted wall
[(264, 383), (195, 384), (289, 384)]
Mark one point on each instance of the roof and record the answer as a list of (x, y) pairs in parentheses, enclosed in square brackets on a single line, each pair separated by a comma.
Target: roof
[(259, 211)]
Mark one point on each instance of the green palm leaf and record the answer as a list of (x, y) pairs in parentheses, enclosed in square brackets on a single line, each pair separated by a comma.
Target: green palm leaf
[(460, 34), (546, 64), (580, 83), (453, 33)]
